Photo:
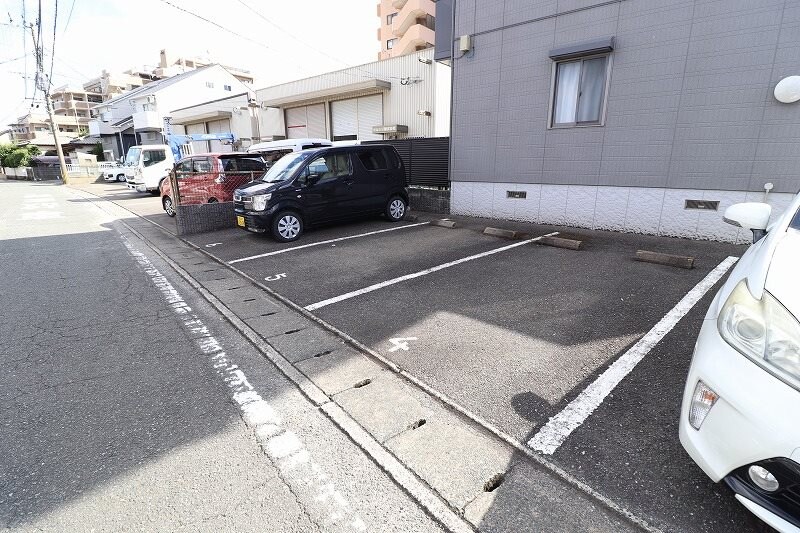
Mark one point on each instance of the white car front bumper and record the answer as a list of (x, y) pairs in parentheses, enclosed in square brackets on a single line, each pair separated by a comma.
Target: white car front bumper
[(754, 419)]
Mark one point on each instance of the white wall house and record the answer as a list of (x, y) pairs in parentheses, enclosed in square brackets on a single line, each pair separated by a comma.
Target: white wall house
[(137, 117), (406, 96)]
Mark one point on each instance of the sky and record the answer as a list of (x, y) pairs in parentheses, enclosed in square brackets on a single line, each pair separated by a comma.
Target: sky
[(277, 41)]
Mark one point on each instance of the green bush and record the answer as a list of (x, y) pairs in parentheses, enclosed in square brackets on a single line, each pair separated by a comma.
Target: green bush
[(18, 158), (5, 151), (12, 156)]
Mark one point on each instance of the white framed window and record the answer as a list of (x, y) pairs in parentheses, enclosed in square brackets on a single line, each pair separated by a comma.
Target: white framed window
[(390, 18), (579, 91), (390, 44)]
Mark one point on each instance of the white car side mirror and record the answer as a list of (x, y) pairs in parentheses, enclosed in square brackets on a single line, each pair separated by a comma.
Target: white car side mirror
[(749, 215)]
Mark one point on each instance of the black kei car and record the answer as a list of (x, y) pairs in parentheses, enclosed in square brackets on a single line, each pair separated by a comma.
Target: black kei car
[(323, 185)]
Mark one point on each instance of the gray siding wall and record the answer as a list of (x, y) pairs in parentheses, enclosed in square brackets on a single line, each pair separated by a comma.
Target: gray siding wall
[(690, 103)]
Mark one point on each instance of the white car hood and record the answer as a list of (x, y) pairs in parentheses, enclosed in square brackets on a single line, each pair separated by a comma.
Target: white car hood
[(783, 281)]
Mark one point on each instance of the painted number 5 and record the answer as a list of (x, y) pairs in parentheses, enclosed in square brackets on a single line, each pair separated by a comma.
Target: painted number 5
[(276, 277)]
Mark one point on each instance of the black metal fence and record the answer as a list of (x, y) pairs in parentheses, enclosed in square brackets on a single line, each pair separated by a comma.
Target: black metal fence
[(427, 159)]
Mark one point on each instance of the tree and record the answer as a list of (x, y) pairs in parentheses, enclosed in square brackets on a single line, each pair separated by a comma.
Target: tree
[(13, 156), (97, 150), (5, 151), (18, 158)]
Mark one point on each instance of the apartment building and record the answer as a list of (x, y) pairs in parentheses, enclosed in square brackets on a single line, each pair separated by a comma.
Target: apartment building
[(169, 65), (34, 128), (406, 26), (636, 115), (75, 103), (110, 85)]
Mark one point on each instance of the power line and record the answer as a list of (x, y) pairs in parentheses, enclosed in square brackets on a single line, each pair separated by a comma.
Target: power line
[(223, 28), (10, 60), (69, 17), (25, 48), (299, 40), (279, 28), (53, 49)]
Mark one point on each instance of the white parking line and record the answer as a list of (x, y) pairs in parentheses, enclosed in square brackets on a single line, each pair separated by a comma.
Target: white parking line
[(425, 272), (276, 252), (553, 434), (298, 469)]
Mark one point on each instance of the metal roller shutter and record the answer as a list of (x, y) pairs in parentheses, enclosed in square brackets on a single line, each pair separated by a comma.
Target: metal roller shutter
[(370, 114), (219, 126), (296, 127), (306, 121), (316, 121), (354, 119), (345, 119)]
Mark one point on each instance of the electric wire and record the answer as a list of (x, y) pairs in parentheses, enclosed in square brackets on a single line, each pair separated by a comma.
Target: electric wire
[(69, 17), (53, 48)]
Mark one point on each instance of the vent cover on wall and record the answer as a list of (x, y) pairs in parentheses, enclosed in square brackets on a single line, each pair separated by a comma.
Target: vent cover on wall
[(516, 194), (711, 205)]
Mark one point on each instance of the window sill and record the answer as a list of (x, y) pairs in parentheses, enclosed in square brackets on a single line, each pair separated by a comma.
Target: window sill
[(572, 126)]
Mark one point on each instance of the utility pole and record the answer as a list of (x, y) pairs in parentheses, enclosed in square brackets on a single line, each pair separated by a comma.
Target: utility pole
[(43, 82)]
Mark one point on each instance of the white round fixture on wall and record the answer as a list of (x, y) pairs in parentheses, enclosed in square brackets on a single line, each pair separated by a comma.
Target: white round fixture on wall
[(787, 90)]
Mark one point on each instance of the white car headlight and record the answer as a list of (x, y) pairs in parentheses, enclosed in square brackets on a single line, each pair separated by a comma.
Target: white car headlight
[(260, 201), (764, 330)]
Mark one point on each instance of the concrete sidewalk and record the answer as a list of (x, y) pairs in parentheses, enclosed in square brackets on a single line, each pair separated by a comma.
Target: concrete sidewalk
[(418, 439)]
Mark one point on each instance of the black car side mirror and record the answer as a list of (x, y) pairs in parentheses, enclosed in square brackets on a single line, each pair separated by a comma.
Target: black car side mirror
[(312, 179)]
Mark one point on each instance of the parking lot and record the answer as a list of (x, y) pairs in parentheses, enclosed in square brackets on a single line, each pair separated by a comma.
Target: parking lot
[(514, 332)]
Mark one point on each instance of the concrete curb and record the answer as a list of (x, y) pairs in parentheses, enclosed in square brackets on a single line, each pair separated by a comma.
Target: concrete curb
[(561, 242), (679, 261), (499, 232), (443, 223)]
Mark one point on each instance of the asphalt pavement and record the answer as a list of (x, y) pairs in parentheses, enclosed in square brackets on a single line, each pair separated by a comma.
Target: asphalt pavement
[(513, 332), (115, 416)]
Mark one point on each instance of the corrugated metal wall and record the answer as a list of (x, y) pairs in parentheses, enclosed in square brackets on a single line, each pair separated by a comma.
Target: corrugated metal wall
[(400, 103)]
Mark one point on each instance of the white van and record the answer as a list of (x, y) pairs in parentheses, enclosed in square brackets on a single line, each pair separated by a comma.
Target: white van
[(273, 150), (150, 163)]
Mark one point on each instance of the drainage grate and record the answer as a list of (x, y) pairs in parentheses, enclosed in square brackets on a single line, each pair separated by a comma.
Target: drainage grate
[(710, 205), (516, 194)]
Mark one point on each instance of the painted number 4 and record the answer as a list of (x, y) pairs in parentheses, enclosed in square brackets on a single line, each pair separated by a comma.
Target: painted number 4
[(276, 277)]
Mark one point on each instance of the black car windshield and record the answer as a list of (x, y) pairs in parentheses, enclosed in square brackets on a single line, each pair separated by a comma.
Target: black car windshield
[(285, 167)]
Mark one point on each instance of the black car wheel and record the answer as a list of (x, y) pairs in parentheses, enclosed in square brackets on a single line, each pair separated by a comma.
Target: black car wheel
[(396, 208), (287, 226), (169, 207), (120, 177)]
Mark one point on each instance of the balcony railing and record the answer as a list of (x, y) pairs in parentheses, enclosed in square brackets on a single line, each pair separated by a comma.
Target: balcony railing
[(408, 16), (416, 36), (147, 120)]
